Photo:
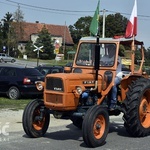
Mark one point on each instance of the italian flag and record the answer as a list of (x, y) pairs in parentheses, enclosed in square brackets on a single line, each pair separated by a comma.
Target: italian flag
[(131, 29)]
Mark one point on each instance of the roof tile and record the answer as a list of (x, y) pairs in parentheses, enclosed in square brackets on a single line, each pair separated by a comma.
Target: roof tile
[(35, 28)]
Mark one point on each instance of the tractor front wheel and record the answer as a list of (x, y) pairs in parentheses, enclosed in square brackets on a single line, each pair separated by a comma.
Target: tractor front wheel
[(35, 119), (95, 126), (137, 108)]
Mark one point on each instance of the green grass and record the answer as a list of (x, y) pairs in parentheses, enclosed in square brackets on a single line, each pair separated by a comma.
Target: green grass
[(6, 103), (50, 62)]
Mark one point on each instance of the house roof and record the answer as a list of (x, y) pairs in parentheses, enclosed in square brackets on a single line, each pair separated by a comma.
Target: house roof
[(34, 28)]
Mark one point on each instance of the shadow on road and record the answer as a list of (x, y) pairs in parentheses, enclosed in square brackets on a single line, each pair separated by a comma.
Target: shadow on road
[(73, 133), (118, 128)]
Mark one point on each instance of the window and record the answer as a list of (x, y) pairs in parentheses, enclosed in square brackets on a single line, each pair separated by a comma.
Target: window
[(86, 54), (31, 72), (8, 72), (55, 71)]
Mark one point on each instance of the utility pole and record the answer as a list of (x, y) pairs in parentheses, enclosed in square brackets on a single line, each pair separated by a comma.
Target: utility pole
[(64, 39), (104, 16), (8, 37), (18, 13)]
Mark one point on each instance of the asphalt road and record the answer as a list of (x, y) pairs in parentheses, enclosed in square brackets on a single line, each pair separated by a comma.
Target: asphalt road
[(24, 63), (62, 135), (66, 136)]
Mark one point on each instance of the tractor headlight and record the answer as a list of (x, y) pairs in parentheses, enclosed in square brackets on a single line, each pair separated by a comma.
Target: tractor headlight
[(79, 90), (39, 85)]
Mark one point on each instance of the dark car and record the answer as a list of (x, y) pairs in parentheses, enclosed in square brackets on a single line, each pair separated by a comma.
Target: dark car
[(50, 69), (18, 81)]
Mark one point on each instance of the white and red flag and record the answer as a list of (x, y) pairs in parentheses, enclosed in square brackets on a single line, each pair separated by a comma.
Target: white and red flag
[(131, 29)]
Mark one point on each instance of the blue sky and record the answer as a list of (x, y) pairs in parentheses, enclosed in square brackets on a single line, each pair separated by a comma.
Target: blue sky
[(69, 11)]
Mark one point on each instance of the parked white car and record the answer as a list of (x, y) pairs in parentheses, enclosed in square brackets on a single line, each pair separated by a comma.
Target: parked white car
[(6, 58)]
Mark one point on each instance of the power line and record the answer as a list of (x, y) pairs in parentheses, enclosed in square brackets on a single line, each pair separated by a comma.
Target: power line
[(50, 11), (45, 8), (61, 11), (127, 14), (7, 4)]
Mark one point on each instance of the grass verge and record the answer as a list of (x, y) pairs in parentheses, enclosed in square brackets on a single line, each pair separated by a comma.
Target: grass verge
[(6, 103)]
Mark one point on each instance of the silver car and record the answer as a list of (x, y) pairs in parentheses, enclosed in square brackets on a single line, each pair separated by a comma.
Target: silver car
[(6, 58)]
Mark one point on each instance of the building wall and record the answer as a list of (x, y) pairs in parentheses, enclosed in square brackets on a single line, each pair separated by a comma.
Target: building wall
[(34, 37), (21, 47)]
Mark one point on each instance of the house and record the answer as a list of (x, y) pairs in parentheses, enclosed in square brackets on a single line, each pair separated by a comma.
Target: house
[(29, 32)]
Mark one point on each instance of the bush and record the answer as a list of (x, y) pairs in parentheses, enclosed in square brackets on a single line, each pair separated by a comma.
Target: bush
[(44, 56)]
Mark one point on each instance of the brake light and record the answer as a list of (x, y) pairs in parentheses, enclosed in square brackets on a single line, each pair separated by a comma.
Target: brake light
[(26, 81)]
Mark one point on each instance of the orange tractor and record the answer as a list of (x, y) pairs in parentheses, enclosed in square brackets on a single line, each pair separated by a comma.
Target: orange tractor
[(81, 94)]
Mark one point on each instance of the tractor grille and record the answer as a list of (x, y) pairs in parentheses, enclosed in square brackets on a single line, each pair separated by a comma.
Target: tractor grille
[(54, 84)]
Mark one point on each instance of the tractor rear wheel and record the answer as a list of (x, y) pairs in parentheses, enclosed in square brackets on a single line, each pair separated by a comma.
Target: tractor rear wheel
[(137, 108), (35, 119), (95, 126)]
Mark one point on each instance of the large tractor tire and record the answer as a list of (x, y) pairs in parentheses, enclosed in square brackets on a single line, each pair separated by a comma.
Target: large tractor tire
[(35, 119), (95, 126), (137, 108)]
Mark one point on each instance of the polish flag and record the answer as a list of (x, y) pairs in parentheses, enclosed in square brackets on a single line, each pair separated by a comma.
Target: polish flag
[(131, 29)]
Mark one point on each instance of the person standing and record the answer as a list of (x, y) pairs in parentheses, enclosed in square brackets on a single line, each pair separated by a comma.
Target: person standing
[(117, 80), (108, 60)]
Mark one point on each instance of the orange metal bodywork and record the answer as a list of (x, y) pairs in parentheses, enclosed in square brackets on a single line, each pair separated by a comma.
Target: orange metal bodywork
[(68, 99)]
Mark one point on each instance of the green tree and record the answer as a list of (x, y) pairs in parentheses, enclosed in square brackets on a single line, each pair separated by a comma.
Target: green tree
[(29, 50), (9, 37), (6, 24), (44, 39), (80, 28), (147, 56), (114, 25)]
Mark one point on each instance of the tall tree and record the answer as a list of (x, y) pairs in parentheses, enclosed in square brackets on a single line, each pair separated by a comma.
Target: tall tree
[(18, 15), (9, 39), (29, 50), (80, 28), (44, 39), (114, 25), (6, 24), (18, 18)]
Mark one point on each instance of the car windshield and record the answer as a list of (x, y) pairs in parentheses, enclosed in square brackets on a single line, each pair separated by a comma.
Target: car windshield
[(31, 72), (86, 54)]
